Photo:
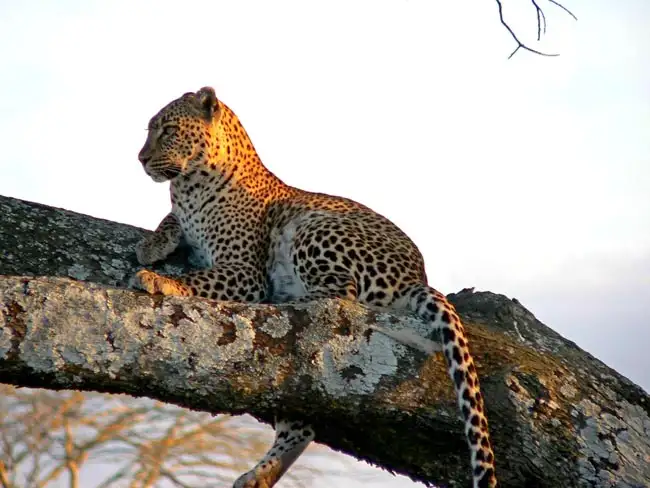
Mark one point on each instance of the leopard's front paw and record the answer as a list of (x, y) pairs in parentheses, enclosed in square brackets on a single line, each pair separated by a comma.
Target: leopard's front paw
[(155, 284), (148, 281), (144, 251)]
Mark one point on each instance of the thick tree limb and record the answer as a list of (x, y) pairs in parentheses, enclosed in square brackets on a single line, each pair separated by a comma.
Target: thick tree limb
[(559, 417)]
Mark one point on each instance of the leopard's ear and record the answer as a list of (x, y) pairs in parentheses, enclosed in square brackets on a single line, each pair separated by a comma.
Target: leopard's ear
[(208, 102)]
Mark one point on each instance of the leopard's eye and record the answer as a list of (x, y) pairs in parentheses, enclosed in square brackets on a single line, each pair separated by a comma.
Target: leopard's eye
[(169, 130)]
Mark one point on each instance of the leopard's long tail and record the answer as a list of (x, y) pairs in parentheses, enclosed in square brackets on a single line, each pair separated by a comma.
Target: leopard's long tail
[(432, 307)]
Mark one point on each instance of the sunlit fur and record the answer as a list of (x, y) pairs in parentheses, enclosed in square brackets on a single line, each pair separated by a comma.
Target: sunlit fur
[(263, 240)]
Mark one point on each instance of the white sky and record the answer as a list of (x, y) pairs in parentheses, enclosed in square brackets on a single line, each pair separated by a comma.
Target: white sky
[(528, 177)]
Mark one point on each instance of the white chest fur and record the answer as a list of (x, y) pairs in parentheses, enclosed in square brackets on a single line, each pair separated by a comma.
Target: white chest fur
[(195, 236)]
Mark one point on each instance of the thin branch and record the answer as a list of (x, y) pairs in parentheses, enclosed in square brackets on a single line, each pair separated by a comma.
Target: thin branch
[(541, 27), (174, 479), (541, 20), (557, 4), (520, 45), (70, 461)]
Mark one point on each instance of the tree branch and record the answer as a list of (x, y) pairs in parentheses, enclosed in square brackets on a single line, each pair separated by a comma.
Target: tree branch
[(541, 27), (558, 416)]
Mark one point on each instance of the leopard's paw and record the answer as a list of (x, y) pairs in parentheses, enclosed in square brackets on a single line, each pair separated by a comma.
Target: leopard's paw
[(144, 251), (148, 281), (156, 284)]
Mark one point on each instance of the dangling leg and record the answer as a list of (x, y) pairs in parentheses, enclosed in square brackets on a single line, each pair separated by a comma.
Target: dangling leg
[(291, 440), (293, 437)]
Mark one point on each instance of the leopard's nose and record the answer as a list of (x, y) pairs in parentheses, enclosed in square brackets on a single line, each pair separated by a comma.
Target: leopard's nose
[(144, 156)]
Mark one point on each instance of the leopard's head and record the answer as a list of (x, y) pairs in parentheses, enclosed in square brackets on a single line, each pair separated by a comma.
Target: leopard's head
[(183, 136)]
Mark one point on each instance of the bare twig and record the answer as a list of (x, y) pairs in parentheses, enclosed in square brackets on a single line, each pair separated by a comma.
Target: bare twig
[(73, 467), (186, 449), (557, 4), (541, 27), (541, 20)]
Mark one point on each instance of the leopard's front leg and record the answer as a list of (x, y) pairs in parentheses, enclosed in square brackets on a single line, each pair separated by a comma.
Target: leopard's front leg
[(229, 281), (157, 246)]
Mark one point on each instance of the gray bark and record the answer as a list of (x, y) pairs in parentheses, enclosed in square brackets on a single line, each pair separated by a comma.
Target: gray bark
[(558, 416)]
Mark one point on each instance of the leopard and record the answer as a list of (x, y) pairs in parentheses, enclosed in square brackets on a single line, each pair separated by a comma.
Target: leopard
[(260, 240)]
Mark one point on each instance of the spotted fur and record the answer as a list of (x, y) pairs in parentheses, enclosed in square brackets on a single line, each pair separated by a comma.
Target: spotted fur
[(263, 240)]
